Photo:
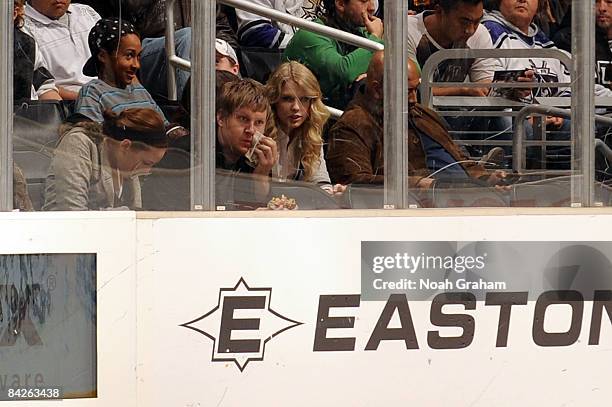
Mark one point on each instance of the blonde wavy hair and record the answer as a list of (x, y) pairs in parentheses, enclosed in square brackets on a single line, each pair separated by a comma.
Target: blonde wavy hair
[(309, 133)]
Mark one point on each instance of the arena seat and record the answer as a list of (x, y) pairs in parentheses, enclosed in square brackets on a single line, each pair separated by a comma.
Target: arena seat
[(466, 193), (554, 192), (235, 192), (35, 135), (167, 188)]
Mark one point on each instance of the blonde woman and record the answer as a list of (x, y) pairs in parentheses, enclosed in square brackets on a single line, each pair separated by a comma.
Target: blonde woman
[(300, 116)]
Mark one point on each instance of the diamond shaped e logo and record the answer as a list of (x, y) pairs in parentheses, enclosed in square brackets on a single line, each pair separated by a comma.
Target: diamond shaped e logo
[(241, 324)]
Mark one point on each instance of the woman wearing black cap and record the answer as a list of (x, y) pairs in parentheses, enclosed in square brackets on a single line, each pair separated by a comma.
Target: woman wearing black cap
[(96, 166), (115, 59)]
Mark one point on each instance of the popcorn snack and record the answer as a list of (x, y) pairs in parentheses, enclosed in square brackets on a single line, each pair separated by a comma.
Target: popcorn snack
[(282, 204), (251, 156)]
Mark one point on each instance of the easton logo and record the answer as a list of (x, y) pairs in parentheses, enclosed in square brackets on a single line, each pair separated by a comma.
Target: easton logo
[(242, 323), (241, 308)]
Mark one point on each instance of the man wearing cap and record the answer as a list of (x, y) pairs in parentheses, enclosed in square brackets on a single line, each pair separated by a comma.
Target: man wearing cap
[(226, 58), (61, 30)]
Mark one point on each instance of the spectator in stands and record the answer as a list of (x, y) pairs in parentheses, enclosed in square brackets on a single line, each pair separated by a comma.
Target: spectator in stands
[(356, 150), (115, 48), (96, 166), (453, 24), (245, 134), (31, 78), (300, 116), (356, 154), (510, 24), (337, 65), (225, 57), (60, 30), (456, 24)]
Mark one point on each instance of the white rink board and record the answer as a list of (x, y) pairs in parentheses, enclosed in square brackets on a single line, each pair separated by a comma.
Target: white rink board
[(301, 259), (155, 275), (112, 237)]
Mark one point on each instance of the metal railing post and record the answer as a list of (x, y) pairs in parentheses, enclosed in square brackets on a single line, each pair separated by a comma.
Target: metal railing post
[(518, 139), (203, 123), (583, 101), (170, 50), (6, 109), (396, 105)]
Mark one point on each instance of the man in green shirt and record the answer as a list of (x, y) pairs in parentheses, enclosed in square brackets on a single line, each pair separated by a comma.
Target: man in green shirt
[(337, 65)]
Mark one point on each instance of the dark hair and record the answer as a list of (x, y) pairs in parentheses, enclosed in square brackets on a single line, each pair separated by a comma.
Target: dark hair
[(144, 127), (494, 5), (327, 7), (106, 35), (447, 5)]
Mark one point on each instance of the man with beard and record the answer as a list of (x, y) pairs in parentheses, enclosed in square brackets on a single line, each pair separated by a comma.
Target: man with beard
[(338, 65)]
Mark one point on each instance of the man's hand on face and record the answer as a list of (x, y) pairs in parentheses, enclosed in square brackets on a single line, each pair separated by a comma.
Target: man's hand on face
[(374, 25), (267, 153)]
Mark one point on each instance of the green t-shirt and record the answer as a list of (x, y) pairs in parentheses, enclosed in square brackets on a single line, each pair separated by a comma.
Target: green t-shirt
[(335, 67)]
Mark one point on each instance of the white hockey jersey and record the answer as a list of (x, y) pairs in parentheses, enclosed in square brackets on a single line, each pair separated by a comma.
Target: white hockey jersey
[(505, 35)]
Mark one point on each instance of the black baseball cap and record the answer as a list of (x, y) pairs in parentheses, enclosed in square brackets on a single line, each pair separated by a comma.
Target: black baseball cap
[(105, 35)]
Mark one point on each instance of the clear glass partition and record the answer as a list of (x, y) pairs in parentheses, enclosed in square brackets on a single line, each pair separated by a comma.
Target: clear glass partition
[(496, 124), (98, 122), (319, 145), (499, 122)]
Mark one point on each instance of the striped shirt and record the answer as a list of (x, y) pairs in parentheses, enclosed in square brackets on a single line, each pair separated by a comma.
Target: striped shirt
[(97, 96)]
